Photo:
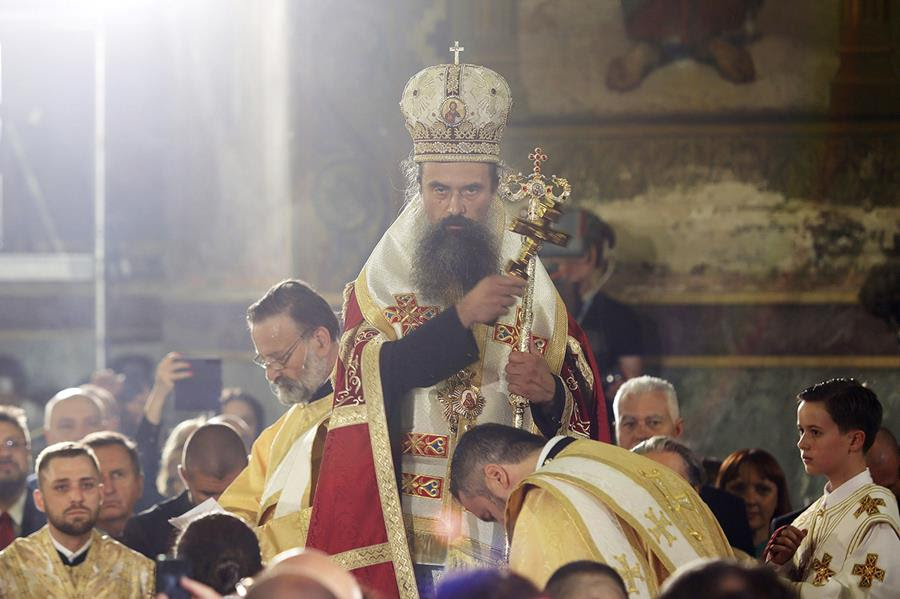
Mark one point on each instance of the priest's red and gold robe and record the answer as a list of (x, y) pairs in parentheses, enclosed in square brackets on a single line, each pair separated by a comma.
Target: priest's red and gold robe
[(409, 380)]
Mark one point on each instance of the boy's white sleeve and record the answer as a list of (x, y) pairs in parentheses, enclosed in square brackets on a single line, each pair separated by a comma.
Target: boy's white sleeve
[(871, 571)]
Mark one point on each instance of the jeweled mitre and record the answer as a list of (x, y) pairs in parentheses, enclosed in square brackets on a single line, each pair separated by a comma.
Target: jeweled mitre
[(456, 113)]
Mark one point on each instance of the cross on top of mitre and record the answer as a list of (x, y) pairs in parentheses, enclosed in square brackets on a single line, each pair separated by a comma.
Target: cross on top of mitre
[(456, 49)]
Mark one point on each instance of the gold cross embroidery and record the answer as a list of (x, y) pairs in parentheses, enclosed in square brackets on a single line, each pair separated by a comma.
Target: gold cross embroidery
[(408, 313), (823, 571), (510, 334), (868, 571), (869, 506), (629, 573), (660, 526)]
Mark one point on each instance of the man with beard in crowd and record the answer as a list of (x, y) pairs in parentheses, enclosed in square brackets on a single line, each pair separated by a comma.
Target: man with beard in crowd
[(69, 557), (429, 350), (295, 334), (19, 517)]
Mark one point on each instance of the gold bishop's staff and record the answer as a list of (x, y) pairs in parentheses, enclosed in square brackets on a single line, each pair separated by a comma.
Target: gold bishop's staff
[(544, 200)]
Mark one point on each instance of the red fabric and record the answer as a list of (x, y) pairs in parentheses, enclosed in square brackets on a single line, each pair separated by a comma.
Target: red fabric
[(600, 428), (7, 534), (346, 510)]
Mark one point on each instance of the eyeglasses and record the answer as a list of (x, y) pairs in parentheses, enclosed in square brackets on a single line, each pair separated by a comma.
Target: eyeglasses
[(12, 444), (280, 363)]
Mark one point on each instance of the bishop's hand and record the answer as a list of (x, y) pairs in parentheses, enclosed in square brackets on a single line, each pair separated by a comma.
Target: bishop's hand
[(489, 299), (528, 375)]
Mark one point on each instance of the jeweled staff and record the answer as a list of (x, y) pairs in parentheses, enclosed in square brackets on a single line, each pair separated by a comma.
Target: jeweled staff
[(544, 198)]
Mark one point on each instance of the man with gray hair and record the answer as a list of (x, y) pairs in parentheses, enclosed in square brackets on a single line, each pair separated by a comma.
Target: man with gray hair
[(72, 414), (644, 407), (672, 454), (647, 406), (295, 334)]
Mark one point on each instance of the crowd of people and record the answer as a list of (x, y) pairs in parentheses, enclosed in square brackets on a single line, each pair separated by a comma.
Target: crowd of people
[(433, 444)]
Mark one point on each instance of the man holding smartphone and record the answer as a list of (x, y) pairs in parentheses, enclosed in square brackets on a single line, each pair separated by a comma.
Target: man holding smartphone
[(295, 333)]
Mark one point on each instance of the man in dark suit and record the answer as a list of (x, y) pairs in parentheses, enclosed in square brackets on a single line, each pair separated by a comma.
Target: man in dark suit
[(213, 456), (18, 515)]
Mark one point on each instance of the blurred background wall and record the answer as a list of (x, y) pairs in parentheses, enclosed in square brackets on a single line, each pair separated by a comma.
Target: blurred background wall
[(246, 142)]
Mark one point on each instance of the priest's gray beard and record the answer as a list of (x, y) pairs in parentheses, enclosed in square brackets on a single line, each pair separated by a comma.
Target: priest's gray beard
[(290, 392), (448, 263)]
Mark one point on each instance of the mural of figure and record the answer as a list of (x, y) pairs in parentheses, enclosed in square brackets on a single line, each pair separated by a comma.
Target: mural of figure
[(710, 31)]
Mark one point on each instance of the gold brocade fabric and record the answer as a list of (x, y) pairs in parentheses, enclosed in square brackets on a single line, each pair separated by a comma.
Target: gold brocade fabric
[(32, 568), (254, 496), (599, 502)]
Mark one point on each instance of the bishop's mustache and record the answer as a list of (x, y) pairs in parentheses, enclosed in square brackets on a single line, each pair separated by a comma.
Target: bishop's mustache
[(457, 221)]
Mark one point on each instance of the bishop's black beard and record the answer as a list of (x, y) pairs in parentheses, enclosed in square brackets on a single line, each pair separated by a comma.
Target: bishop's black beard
[(447, 263)]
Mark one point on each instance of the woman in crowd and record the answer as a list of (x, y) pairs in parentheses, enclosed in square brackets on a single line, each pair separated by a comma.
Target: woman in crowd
[(221, 550), (755, 476)]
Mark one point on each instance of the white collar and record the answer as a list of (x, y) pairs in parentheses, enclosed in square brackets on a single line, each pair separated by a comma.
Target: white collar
[(547, 447), (848, 488), (71, 555), (17, 509)]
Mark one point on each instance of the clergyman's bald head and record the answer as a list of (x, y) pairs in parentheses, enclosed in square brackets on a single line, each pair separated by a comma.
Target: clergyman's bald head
[(215, 450)]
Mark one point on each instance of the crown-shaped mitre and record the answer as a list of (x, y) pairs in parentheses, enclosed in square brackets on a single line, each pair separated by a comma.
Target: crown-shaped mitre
[(456, 113)]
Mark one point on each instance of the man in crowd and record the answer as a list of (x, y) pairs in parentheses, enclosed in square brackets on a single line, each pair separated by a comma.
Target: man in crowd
[(565, 500), (213, 457), (69, 557), (430, 348), (72, 414), (586, 579), (611, 326), (295, 334), (123, 482), (647, 406), (672, 454), (19, 517)]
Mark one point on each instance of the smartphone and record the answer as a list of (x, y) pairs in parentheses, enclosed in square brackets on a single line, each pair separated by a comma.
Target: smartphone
[(200, 392), (168, 576)]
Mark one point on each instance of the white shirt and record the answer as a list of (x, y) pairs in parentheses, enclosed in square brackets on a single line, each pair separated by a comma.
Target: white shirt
[(847, 489), (71, 555)]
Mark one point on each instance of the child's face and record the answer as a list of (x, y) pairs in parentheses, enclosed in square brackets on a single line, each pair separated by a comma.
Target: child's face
[(823, 447)]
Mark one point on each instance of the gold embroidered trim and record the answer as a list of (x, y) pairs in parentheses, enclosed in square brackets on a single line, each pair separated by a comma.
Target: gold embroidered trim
[(363, 556), (370, 311), (629, 573), (347, 416), (556, 353), (566, 419), (583, 367), (384, 471), (453, 76)]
